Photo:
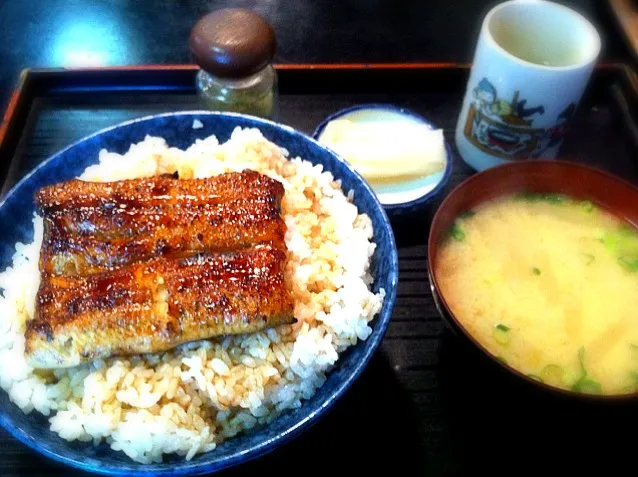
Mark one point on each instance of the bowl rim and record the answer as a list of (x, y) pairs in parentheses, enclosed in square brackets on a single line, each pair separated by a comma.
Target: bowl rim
[(209, 463), (459, 189), (449, 163)]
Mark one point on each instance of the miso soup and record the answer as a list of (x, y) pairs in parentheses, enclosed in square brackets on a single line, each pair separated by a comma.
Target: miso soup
[(548, 284)]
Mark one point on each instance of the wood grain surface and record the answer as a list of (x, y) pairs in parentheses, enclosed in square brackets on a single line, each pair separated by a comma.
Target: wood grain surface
[(626, 13)]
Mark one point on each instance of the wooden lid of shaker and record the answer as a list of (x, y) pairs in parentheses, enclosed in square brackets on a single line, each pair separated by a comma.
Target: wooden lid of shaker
[(232, 43)]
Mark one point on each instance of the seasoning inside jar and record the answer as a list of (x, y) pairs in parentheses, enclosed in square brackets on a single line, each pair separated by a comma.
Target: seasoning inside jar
[(234, 48)]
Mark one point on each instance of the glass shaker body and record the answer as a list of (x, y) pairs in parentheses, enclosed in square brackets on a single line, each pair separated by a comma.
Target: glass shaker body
[(256, 94)]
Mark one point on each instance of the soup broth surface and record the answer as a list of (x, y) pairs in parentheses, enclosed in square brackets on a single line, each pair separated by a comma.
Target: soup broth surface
[(548, 284)]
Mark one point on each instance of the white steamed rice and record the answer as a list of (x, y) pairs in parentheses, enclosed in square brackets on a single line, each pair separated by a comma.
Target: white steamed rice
[(190, 399)]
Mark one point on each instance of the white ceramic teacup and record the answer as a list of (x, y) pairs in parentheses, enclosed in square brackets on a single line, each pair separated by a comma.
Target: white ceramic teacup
[(532, 63)]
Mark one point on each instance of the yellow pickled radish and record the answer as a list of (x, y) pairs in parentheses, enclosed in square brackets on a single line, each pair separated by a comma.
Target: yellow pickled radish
[(387, 149)]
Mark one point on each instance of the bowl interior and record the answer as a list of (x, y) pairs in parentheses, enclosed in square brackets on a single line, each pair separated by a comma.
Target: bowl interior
[(581, 182), (16, 213)]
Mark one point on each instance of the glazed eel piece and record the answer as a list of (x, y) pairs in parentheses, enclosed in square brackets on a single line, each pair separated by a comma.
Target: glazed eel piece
[(90, 227), (157, 305), (159, 190)]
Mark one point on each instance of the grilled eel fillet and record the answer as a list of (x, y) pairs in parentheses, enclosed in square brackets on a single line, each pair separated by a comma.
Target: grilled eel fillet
[(157, 305), (144, 265), (89, 227)]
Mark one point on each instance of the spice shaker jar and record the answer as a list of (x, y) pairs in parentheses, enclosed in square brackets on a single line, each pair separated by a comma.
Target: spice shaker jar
[(234, 48)]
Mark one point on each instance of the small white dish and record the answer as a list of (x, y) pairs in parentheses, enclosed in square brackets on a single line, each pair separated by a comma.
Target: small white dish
[(406, 196)]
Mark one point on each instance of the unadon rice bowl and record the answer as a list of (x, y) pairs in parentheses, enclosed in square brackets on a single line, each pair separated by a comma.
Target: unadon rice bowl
[(188, 400)]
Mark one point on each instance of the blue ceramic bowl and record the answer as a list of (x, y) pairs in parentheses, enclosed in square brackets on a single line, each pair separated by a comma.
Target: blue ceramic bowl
[(431, 185), (16, 211)]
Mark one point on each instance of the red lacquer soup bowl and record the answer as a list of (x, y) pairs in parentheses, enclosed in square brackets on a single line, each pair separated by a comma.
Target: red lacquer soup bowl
[(537, 176)]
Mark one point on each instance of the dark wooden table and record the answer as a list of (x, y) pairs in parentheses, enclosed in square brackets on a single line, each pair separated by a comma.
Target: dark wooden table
[(425, 405), (55, 33)]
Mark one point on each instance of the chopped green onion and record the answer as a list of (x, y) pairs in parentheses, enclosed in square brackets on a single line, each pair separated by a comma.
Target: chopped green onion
[(589, 258), (611, 241), (527, 195), (550, 197), (535, 378), (584, 384), (623, 245), (537, 271), (501, 334), (581, 362), (625, 239), (632, 388), (553, 198), (553, 374), (587, 386), (467, 214), (501, 359), (627, 230), (629, 263), (587, 206), (456, 233)]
